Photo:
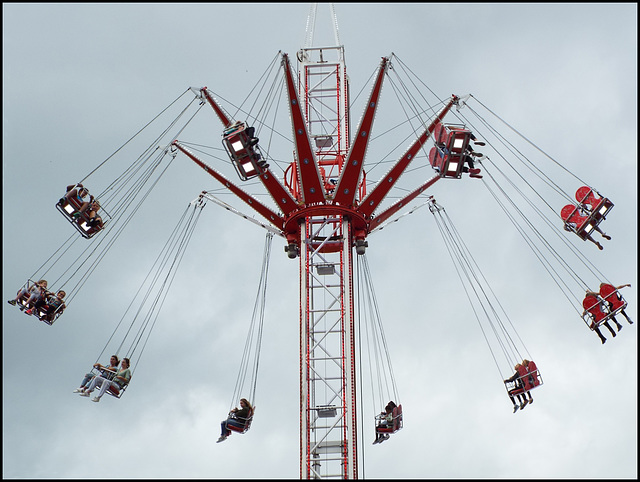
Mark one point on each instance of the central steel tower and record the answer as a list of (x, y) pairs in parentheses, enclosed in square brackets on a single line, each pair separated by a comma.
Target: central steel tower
[(325, 212)]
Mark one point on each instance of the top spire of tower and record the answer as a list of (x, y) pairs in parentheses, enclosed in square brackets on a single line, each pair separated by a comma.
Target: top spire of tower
[(311, 24)]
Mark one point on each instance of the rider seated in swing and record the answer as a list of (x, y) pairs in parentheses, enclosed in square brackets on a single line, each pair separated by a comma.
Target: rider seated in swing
[(612, 298), (76, 194), (95, 220), (518, 389), (597, 207), (385, 423), (237, 421), (594, 305), (52, 306), (81, 208), (29, 295), (575, 220), (119, 382)]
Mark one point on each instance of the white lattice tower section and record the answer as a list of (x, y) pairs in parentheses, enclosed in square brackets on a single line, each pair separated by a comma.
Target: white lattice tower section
[(328, 398)]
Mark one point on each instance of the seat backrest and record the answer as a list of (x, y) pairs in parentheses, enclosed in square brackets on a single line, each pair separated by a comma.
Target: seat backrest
[(435, 158), (611, 295), (524, 377), (585, 195), (570, 214), (246, 425), (439, 134), (533, 369), (593, 306)]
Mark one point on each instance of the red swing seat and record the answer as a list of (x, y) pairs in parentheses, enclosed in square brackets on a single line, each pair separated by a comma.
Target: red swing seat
[(611, 296), (529, 378), (396, 424), (247, 423), (596, 312), (579, 224), (533, 370), (244, 153), (599, 206), (452, 142)]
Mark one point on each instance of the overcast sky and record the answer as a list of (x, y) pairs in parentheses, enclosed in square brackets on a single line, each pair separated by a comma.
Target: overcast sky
[(81, 79)]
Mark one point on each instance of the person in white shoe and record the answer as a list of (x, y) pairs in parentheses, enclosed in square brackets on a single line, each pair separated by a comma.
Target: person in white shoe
[(106, 371), (237, 418), (120, 380), (32, 294)]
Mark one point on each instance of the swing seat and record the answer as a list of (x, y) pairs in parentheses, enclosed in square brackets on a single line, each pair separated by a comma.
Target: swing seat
[(581, 225), (244, 153), (596, 313), (395, 425), (526, 378), (598, 206), (42, 312), (611, 296), (113, 390), (514, 388), (529, 378), (247, 423), (47, 314), (69, 206), (452, 143), (533, 370)]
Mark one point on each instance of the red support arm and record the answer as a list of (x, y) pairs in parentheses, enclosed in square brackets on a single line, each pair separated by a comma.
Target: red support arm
[(308, 173), (279, 193), (223, 117), (369, 203), (346, 189), (383, 216), (267, 213)]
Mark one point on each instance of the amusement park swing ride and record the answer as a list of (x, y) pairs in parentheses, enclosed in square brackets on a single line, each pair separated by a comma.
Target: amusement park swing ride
[(325, 206)]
